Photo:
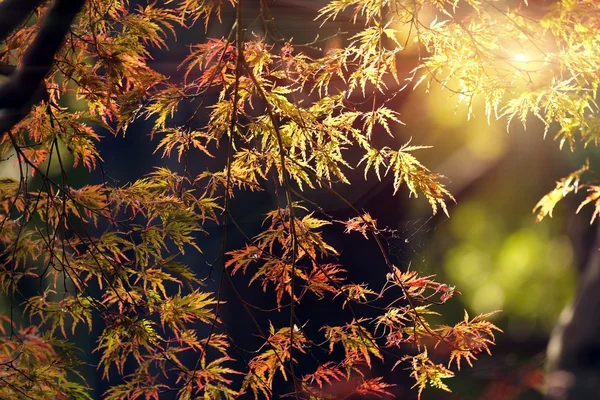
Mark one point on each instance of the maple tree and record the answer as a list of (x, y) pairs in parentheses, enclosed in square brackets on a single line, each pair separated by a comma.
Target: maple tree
[(287, 116)]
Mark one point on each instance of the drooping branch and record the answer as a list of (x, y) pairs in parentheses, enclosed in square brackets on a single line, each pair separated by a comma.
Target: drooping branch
[(13, 13), (25, 85)]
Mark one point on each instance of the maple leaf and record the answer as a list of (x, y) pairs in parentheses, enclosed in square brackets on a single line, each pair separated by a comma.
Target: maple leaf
[(178, 310), (243, 257), (324, 278), (409, 170), (355, 292), (183, 140), (265, 365), (325, 374), (355, 339), (592, 197), (566, 185), (196, 9), (362, 224), (469, 337), (426, 372), (374, 387)]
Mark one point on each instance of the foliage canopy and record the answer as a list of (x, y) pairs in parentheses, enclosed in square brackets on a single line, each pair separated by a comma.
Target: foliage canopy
[(288, 115)]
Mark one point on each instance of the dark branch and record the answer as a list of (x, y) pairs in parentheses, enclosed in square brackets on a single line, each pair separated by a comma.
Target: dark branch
[(7, 69), (574, 349), (25, 85), (13, 13)]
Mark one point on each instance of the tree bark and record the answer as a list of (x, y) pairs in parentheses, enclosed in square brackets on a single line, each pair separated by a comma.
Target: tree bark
[(574, 348), (26, 84), (13, 13)]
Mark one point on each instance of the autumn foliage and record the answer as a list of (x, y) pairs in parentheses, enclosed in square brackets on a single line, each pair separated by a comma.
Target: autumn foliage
[(288, 116)]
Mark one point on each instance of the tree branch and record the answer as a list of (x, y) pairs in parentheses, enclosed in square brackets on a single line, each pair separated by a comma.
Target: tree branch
[(574, 348), (25, 85), (13, 13)]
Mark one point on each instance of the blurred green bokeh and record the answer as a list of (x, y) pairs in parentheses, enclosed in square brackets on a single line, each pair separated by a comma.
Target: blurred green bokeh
[(527, 272)]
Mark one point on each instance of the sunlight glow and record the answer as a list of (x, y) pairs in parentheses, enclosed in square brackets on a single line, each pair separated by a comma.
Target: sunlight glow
[(521, 57)]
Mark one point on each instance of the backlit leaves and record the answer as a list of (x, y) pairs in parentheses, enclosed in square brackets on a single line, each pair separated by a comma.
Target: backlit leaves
[(469, 338), (193, 10), (564, 186), (272, 359), (249, 113), (407, 169), (357, 341), (181, 310), (426, 372), (592, 197)]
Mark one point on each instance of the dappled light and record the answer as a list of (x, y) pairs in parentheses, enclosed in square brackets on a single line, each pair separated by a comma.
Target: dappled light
[(328, 199)]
